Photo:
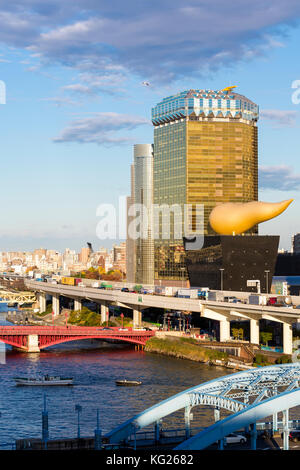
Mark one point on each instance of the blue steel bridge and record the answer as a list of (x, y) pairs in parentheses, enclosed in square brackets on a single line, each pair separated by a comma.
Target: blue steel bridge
[(251, 397)]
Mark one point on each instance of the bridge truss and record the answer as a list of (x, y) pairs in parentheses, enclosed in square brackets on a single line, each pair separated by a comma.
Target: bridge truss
[(238, 393), (17, 297)]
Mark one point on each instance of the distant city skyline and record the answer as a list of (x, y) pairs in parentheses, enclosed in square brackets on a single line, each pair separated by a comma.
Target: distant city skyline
[(78, 96), (65, 261)]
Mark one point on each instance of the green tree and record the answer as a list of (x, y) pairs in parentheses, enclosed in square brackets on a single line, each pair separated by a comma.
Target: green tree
[(265, 337)]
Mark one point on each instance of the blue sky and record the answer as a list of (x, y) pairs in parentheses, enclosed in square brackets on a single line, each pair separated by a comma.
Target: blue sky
[(76, 104)]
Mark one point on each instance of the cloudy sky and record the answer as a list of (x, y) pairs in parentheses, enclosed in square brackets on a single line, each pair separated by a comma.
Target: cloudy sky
[(76, 103)]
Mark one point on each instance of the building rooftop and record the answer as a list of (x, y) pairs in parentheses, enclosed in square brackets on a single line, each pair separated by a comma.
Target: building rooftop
[(224, 103)]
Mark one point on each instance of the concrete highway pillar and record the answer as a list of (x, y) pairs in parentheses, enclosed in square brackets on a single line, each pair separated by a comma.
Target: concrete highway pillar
[(42, 302), (287, 338), (254, 331), (55, 304), (104, 310), (33, 344), (77, 304), (137, 318), (224, 330)]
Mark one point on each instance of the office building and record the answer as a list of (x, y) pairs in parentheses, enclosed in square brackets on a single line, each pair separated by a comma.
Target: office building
[(143, 196), (130, 242), (205, 152), (296, 243), (119, 257)]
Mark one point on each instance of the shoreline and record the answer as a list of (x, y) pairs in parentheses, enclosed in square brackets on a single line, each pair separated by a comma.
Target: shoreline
[(175, 347)]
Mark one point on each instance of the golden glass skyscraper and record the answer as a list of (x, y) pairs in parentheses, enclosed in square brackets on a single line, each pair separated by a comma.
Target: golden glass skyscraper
[(205, 152)]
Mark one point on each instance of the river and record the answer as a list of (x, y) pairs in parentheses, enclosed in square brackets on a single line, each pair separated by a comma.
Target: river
[(95, 367)]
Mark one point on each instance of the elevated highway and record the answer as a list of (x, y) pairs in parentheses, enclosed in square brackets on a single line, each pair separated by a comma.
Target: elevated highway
[(223, 312)]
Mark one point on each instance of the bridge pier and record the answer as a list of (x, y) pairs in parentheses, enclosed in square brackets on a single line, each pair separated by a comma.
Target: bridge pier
[(77, 304), (254, 331), (224, 330), (33, 344), (42, 302), (104, 313), (287, 338), (55, 304), (137, 318)]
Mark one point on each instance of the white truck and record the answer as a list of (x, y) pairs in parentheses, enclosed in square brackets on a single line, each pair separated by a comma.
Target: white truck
[(256, 299), (215, 295)]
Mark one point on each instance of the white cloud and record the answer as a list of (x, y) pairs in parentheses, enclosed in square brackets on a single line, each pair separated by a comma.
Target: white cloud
[(281, 177), (101, 128), (280, 117), (158, 40)]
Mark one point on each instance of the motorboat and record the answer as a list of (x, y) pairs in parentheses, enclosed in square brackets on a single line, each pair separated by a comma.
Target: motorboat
[(128, 383), (45, 380)]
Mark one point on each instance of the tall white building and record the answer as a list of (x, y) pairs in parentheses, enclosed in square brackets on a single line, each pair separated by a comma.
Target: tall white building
[(143, 195)]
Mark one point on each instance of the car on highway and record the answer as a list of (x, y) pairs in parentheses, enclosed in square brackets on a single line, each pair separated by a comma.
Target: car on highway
[(231, 299), (234, 438), (124, 289)]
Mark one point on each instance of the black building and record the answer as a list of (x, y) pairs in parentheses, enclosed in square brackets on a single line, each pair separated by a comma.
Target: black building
[(287, 264), (227, 262)]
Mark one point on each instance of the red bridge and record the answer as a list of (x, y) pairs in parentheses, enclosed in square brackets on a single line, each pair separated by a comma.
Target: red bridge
[(35, 338)]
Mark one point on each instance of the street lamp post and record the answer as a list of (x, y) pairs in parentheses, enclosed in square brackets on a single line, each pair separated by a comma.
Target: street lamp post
[(78, 408), (267, 280), (222, 271)]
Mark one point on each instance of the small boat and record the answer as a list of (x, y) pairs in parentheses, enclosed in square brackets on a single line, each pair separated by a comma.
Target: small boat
[(45, 380), (128, 383)]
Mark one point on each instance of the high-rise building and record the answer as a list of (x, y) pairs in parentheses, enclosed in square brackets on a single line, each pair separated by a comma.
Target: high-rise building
[(143, 196), (130, 242), (296, 243), (84, 255), (205, 152), (119, 257)]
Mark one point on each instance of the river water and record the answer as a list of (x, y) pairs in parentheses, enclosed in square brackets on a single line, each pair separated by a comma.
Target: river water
[(95, 367)]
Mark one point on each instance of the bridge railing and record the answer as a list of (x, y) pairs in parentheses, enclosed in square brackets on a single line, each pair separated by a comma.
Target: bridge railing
[(164, 434), (72, 330)]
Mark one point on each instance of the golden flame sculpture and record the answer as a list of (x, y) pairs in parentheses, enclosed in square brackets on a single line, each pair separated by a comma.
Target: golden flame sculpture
[(235, 218)]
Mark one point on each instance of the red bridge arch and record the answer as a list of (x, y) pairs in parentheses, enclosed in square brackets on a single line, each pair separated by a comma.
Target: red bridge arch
[(17, 336)]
